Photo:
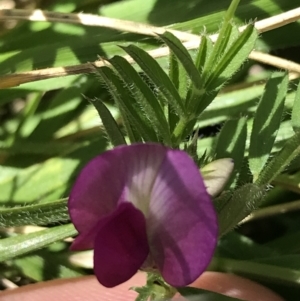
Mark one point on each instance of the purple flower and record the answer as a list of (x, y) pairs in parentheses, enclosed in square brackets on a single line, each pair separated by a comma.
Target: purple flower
[(144, 204)]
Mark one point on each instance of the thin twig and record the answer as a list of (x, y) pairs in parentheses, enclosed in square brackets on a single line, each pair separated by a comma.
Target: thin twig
[(274, 61), (135, 27), (89, 20), (244, 85), (192, 41), (272, 211), (278, 20)]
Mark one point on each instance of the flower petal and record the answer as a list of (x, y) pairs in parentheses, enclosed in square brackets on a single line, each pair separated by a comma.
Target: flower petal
[(96, 191), (181, 225), (163, 184), (115, 176), (121, 245)]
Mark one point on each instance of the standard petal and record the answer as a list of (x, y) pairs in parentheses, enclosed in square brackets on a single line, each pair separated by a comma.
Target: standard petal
[(121, 245), (126, 173), (96, 191), (181, 225)]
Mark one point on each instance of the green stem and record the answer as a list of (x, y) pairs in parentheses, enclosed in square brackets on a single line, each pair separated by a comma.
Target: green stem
[(257, 270), (37, 214), (287, 154), (23, 244), (273, 211), (179, 131)]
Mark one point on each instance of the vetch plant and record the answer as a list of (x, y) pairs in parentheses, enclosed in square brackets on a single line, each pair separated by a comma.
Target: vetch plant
[(160, 194), (144, 206)]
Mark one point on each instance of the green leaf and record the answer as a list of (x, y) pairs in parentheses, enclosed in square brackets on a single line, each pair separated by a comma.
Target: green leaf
[(237, 246), (64, 106), (223, 67), (232, 59), (36, 214), (286, 244), (231, 104), (39, 86), (75, 51), (285, 261), (28, 146), (112, 129), (279, 162), (184, 57), (27, 114), (223, 38), (243, 201), (218, 50), (18, 245), (204, 52), (143, 96), (192, 293), (245, 175), (267, 122), (158, 76), (48, 180), (178, 77), (296, 111), (259, 271), (131, 113), (45, 265)]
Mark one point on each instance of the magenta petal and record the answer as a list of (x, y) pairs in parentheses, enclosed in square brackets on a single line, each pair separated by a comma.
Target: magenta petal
[(96, 191), (166, 186), (182, 224), (109, 179), (85, 241), (121, 245)]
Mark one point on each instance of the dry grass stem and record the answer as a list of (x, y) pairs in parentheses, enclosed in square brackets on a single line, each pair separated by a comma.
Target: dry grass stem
[(191, 41), (272, 211)]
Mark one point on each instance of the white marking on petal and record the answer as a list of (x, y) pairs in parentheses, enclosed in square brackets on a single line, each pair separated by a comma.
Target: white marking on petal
[(142, 174)]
